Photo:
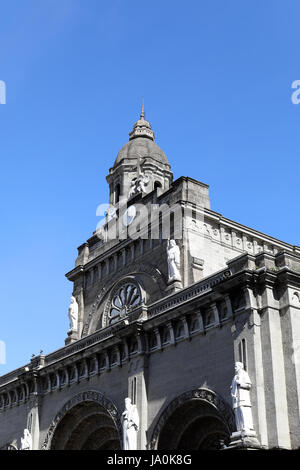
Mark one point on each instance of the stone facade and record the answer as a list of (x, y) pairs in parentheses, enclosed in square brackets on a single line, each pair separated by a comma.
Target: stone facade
[(170, 347)]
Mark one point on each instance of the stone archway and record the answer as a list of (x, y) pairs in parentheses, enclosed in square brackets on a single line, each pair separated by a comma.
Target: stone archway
[(89, 421), (196, 420)]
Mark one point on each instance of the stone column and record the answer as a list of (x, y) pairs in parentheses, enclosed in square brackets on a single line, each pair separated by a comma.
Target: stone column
[(99, 271), (124, 256), (290, 324), (92, 276), (171, 331), (200, 321), (115, 262), (126, 351), (132, 249), (274, 372), (186, 327), (137, 391), (33, 422), (33, 414), (216, 313), (158, 338), (252, 337), (228, 305), (259, 379)]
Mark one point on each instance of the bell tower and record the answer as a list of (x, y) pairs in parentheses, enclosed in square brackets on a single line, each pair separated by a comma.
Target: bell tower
[(140, 167)]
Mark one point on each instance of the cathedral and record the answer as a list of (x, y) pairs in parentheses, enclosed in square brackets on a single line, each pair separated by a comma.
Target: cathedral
[(169, 298)]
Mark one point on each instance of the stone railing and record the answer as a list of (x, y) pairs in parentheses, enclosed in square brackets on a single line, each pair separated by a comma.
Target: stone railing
[(4, 379), (83, 343)]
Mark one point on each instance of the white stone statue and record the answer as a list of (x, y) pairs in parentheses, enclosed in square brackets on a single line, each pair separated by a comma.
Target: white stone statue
[(141, 183), (130, 424), (73, 314), (240, 392), (26, 441), (173, 261), (138, 185), (132, 190)]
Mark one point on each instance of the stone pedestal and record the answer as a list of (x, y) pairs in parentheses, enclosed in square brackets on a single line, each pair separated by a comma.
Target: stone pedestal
[(72, 336), (174, 286), (243, 440)]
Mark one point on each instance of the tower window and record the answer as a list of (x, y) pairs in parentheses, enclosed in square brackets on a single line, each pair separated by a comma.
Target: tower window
[(157, 187), (243, 352), (117, 193), (133, 391)]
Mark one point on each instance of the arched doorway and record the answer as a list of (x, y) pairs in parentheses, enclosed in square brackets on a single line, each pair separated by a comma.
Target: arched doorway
[(197, 420), (88, 422)]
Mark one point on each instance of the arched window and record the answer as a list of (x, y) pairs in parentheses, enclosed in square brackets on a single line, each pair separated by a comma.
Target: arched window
[(243, 352), (124, 299), (158, 187), (117, 193)]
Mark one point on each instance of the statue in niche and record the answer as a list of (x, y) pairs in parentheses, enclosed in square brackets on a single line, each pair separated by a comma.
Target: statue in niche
[(26, 441), (240, 392), (173, 253), (73, 314), (130, 425)]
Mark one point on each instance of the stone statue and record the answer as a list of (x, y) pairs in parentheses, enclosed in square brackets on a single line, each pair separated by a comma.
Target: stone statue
[(173, 261), (141, 183), (132, 190), (138, 185), (73, 314), (26, 441), (130, 424), (240, 392)]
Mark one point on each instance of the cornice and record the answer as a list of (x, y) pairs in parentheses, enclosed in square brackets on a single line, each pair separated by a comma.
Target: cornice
[(216, 216)]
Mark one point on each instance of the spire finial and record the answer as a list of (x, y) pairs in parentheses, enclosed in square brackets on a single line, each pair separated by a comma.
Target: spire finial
[(142, 128), (142, 112)]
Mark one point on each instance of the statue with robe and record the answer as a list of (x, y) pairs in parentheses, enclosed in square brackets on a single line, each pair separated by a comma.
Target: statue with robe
[(73, 314), (138, 185), (130, 425), (132, 190), (26, 441), (142, 182), (240, 393), (173, 253)]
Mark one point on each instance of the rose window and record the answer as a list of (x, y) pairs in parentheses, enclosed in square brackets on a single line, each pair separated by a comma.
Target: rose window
[(125, 299)]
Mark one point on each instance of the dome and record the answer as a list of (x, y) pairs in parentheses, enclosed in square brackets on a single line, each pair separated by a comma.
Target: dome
[(141, 147), (140, 167)]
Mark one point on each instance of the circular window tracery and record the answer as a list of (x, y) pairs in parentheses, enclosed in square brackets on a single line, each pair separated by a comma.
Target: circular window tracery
[(124, 299)]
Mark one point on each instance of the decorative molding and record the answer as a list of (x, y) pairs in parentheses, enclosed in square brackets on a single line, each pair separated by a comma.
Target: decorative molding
[(188, 294), (134, 269), (125, 302)]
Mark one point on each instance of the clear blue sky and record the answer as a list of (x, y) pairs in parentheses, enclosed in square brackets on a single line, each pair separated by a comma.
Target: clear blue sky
[(216, 76)]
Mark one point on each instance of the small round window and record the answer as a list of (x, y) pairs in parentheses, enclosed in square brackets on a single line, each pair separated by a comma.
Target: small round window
[(124, 299)]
